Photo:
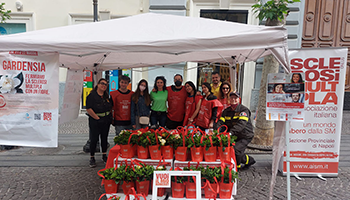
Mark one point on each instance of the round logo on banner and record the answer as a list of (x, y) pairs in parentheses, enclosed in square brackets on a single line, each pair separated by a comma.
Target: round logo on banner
[(2, 101)]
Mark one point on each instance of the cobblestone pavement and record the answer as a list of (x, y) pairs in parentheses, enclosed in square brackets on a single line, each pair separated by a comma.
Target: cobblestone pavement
[(63, 172)]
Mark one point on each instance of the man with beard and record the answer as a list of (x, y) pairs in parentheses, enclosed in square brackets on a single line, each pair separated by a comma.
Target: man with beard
[(295, 97), (237, 119), (216, 83), (176, 103)]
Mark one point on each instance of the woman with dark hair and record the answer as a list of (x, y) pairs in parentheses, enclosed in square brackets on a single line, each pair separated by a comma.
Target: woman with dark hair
[(140, 104), (192, 105), (210, 109), (159, 98), (296, 78), (278, 88), (225, 89), (98, 107)]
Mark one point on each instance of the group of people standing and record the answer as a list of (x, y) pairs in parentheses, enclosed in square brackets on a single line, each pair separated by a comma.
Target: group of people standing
[(170, 107)]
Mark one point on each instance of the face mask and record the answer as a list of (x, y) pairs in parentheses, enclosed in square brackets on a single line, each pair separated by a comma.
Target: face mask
[(142, 88), (178, 83)]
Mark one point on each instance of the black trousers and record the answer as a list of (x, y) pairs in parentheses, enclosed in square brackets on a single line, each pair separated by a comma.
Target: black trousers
[(98, 128), (240, 147), (170, 124)]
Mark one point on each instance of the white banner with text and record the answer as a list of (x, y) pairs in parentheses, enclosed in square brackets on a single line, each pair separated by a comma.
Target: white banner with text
[(315, 143), (29, 98)]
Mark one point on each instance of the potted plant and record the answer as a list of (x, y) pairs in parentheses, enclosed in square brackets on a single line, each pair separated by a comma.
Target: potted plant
[(226, 143), (211, 176), (142, 145), (129, 178), (178, 186), (210, 143), (108, 179), (126, 139), (227, 180), (154, 148), (180, 146), (195, 143), (167, 147), (144, 175), (190, 184)]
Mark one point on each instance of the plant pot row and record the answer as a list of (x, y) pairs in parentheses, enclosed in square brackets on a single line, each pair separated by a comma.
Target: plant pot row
[(188, 189)]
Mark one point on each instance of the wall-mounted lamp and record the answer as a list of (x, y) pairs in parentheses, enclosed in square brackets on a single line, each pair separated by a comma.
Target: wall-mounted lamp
[(19, 6)]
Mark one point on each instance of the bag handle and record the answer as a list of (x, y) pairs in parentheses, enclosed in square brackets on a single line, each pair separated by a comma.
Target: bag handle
[(223, 166), (161, 161), (110, 198), (222, 126)]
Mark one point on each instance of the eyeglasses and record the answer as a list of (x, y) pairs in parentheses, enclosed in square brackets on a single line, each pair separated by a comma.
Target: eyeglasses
[(105, 84), (225, 88)]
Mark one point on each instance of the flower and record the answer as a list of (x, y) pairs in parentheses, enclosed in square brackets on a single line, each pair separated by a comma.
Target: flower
[(177, 136), (8, 83), (159, 137), (138, 166), (122, 132), (139, 132), (162, 142), (161, 168)]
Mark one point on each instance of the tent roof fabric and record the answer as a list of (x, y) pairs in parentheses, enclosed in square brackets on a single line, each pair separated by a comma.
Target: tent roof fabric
[(152, 39)]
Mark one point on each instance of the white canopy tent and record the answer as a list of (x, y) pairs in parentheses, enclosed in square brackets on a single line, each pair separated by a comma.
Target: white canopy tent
[(153, 39)]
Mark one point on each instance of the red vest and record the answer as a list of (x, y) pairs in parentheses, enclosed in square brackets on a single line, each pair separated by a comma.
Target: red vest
[(191, 104), (224, 103), (121, 105), (205, 113), (176, 104)]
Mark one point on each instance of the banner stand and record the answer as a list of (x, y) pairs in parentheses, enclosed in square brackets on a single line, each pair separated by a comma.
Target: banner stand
[(288, 160)]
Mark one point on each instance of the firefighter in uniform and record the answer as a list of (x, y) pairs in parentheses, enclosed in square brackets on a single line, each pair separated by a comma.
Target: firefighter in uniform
[(237, 119)]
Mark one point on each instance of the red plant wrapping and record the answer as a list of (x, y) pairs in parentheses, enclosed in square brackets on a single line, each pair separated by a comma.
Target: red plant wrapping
[(178, 190), (210, 191), (155, 153), (181, 153), (225, 155), (190, 190), (167, 152), (127, 151), (142, 187), (127, 186), (110, 186), (225, 190), (210, 154), (142, 152), (197, 154)]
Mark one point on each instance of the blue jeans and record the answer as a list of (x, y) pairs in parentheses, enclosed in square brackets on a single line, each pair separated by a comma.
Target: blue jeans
[(158, 117), (120, 128)]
